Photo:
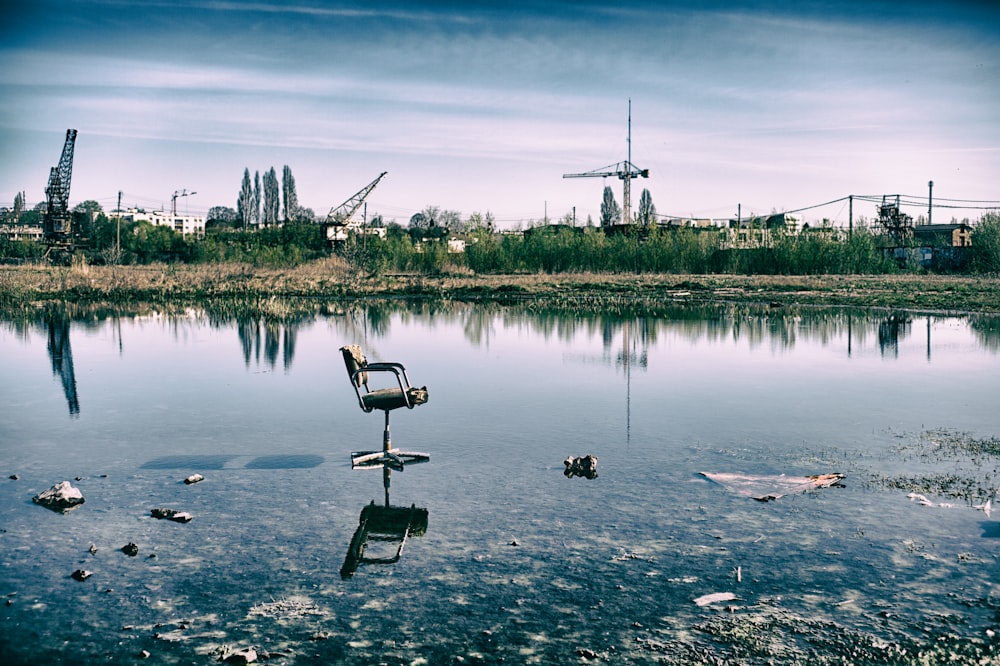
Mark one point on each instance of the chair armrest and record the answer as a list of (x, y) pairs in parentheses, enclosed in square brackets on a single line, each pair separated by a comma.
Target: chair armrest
[(391, 367), (395, 368)]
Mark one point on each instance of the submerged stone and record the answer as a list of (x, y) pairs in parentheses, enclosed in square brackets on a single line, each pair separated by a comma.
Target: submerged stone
[(585, 466), (239, 656), (61, 497), (171, 514)]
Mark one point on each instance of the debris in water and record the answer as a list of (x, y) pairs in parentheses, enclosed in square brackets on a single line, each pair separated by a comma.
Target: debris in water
[(171, 514), (61, 497), (585, 466), (239, 655), (715, 598), (194, 478), (765, 488), (81, 574), (130, 549)]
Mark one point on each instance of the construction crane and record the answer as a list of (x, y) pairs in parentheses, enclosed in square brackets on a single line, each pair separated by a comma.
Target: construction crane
[(625, 171), (173, 200), (58, 220), (339, 220)]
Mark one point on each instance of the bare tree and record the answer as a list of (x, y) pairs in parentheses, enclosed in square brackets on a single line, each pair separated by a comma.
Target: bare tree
[(288, 195), (18, 206), (256, 197), (272, 201), (244, 204), (647, 211), (611, 213)]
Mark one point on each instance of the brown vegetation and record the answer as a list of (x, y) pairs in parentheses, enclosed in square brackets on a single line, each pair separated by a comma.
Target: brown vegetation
[(334, 278)]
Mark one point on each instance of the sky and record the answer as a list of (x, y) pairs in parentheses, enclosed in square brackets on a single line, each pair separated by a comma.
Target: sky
[(755, 105)]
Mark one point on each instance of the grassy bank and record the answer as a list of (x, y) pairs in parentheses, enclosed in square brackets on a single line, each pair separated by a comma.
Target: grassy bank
[(334, 278)]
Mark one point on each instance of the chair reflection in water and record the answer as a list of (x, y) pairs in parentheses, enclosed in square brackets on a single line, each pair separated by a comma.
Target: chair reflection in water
[(398, 394), (385, 527)]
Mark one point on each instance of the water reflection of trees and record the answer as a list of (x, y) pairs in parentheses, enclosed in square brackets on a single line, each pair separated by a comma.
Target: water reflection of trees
[(267, 331), (891, 330), (757, 326), (986, 329), (258, 335)]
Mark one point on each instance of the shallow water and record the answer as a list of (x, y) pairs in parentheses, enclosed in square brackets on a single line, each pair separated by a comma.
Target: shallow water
[(518, 563)]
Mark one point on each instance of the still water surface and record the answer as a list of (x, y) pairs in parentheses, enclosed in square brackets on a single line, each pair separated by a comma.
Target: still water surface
[(516, 562)]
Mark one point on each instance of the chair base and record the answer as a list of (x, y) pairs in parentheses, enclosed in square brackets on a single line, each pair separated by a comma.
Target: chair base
[(392, 458)]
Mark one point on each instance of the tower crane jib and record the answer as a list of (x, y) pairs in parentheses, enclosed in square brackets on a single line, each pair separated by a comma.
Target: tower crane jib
[(624, 171)]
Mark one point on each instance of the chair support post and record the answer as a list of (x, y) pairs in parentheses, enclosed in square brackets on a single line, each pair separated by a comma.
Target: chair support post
[(386, 442)]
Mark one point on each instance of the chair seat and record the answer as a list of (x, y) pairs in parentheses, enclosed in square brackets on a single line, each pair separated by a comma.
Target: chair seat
[(392, 398)]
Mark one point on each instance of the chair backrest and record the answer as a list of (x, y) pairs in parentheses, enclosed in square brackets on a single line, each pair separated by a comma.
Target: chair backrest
[(355, 360)]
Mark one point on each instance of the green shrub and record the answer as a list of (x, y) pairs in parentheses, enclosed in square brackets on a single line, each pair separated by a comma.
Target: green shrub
[(985, 249)]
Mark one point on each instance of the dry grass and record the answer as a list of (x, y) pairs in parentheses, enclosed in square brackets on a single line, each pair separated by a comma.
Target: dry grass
[(334, 278)]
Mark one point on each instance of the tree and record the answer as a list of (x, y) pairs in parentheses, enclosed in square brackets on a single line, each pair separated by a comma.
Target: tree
[(647, 211), (451, 220), (18, 206), (479, 221), (426, 219), (85, 214), (89, 207), (610, 212), (256, 197), (419, 221), (272, 201), (288, 196), (986, 244), (222, 214), (244, 204)]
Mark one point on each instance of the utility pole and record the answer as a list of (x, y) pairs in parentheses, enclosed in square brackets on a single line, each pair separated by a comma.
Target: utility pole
[(930, 198), (850, 216), (118, 230)]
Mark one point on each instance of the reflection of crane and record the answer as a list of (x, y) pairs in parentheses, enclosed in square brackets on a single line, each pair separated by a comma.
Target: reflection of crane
[(61, 356), (625, 359), (625, 171), (58, 221), (339, 219), (173, 199)]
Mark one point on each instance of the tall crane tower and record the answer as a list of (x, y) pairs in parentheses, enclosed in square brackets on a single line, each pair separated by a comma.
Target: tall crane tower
[(339, 219), (625, 171), (58, 220)]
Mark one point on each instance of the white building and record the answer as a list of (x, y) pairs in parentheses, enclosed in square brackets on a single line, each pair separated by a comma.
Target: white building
[(187, 225)]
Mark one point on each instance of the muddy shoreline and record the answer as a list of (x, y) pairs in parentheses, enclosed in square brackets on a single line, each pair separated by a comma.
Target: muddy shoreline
[(333, 279)]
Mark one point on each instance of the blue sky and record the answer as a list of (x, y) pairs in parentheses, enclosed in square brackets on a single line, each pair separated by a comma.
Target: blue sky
[(483, 106)]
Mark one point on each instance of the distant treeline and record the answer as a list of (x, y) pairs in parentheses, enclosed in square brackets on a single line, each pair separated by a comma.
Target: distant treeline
[(540, 250)]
